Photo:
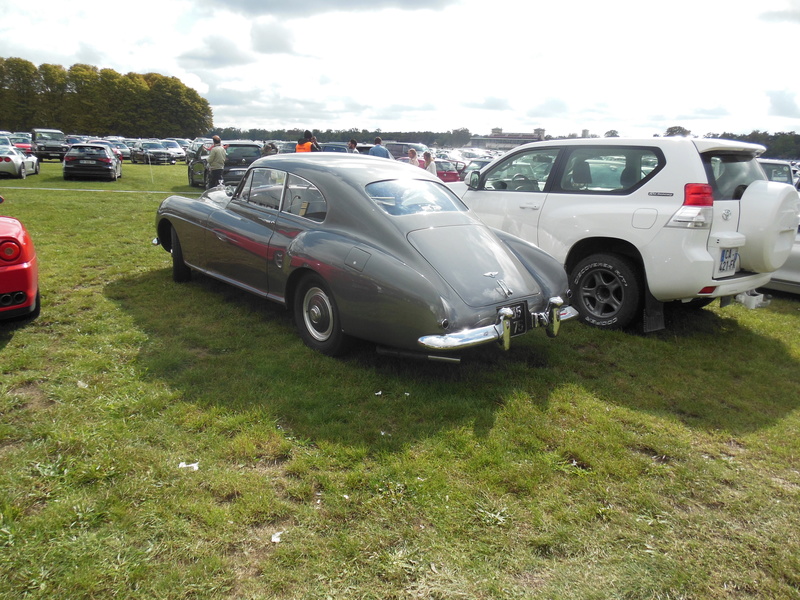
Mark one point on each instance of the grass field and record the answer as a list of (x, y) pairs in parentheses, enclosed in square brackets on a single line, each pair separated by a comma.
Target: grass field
[(596, 465)]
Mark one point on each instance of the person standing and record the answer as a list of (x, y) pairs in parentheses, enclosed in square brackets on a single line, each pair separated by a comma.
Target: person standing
[(352, 147), (216, 163), (430, 164), (379, 150), (308, 143), (412, 157)]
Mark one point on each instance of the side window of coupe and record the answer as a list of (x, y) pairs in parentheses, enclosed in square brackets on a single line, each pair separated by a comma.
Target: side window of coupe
[(304, 199), (263, 187), (523, 172)]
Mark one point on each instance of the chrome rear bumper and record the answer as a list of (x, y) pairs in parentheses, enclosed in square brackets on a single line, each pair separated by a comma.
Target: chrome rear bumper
[(500, 331)]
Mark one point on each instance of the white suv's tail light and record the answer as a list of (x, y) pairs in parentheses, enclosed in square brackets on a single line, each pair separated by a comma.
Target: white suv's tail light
[(697, 210)]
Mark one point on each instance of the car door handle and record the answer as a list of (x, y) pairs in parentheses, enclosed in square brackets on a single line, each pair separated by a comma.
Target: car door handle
[(529, 206), (267, 220)]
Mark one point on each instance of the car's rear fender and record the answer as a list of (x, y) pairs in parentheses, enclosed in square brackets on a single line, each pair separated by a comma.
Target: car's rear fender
[(381, 298), (595, 245)]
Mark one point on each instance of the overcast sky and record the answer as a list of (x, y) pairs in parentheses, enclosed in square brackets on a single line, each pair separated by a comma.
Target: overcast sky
[(634, 66)]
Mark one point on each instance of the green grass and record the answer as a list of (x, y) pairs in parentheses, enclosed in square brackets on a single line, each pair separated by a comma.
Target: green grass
[(596, 465)]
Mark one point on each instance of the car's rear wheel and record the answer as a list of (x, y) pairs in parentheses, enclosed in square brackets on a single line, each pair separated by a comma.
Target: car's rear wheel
[(317, 317), (606, 290), (180, 271), (23, 173)]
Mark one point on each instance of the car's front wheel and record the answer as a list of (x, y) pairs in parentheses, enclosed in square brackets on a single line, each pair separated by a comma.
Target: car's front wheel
[(317, 317), (606, 290), (180, 271)]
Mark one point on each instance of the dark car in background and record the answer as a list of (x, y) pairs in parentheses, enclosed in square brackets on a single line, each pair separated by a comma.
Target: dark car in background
[(240, 155), (152, 153), (333, 146), (49, 143), (95, 161)]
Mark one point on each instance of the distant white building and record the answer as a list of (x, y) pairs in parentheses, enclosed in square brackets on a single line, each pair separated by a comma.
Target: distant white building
[(498, 140)]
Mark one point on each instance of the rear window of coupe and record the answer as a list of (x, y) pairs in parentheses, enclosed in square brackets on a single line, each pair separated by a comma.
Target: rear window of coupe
[(413, 196)]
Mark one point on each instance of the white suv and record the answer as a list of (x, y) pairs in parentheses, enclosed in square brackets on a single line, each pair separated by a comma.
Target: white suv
[(638, 223)]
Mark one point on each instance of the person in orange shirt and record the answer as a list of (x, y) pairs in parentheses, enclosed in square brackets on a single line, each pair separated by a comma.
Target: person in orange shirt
[(308, 143)]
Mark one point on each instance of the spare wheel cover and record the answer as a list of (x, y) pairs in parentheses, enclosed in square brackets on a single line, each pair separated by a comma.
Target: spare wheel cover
[(769, 220)]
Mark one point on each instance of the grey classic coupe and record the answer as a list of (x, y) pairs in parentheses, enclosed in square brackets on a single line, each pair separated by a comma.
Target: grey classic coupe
[(363, 247)]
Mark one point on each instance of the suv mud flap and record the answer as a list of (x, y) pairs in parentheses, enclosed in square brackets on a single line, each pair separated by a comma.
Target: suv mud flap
[(653, 317)]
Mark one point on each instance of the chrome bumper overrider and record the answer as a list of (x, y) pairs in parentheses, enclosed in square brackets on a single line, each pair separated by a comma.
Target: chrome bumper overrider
[(550, 319)]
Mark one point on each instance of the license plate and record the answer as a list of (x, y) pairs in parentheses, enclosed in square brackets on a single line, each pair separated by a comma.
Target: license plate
[(519, 318), (87, 162), (728, 260)]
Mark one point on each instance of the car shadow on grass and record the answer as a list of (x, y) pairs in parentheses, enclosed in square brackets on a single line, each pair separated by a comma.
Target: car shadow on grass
[(223, 348)]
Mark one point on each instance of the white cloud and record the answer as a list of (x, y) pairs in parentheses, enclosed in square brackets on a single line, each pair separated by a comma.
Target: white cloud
[(444, 64)]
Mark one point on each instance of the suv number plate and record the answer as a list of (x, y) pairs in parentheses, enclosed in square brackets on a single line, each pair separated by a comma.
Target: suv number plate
[(728, 260), (519, 320)]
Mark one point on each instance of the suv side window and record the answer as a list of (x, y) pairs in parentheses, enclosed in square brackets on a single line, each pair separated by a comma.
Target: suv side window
[(523, 172), (729, 173), (615, 170)]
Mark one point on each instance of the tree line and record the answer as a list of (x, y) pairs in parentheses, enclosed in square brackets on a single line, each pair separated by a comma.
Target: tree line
[(782, 145), (450, 139), (85, 99)]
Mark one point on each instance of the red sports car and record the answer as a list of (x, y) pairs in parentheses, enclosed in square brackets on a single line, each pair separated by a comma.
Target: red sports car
[(19, 271)]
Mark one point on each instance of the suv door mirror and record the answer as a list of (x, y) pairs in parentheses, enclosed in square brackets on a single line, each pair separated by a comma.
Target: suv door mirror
[(474, 180)]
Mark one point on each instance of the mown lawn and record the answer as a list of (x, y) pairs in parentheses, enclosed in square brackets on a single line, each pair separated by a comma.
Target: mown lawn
[(597, 465)]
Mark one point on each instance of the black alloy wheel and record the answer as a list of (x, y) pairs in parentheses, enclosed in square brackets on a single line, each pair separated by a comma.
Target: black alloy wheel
[(606, 290)]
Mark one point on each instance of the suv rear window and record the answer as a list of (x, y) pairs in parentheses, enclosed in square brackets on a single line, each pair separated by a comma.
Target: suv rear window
[(729, 173)]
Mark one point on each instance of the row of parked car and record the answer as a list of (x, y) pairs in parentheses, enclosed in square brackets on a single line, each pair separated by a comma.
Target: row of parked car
[(608, 229), (615, 228)]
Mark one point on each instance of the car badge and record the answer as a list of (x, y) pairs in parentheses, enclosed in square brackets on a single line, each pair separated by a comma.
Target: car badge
[(726, 214), (491, 274)]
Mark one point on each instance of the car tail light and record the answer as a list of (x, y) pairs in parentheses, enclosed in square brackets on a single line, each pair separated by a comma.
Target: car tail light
[(104, 160), (708, 290), (10, 251), (70, 158), (697, 211), (698, 194), (5, 159)]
